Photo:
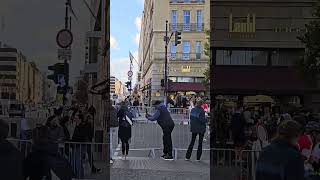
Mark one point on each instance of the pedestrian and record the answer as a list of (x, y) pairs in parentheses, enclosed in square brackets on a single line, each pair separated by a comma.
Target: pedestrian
[(25, 136), (281, 160), (66, 133), (124, 131), (198, 122), (136, 104), (56, 134), (83, 134), (238, 128), (163, 117), (92, 111), (11, 160), (113, 124), (43, 160)]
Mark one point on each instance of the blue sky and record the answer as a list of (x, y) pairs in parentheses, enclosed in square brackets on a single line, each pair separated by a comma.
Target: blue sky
[(125, 17)]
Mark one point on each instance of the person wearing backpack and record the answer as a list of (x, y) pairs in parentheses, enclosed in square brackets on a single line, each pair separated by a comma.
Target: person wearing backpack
[(198, 123)]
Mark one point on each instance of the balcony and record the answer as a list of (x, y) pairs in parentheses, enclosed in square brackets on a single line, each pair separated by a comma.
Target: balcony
[(181, 56), (188, 1), (194, 27)]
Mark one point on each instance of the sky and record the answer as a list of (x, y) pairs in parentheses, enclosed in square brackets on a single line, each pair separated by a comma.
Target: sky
[(125, 19), (31, 27)]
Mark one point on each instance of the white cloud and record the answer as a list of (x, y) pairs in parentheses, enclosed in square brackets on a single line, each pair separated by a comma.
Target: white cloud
[(114, 43), (120, 67), (138, 22), (137, 39), (141, 1)]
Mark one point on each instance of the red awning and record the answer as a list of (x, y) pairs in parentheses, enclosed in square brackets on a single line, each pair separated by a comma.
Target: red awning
[(186, 86)]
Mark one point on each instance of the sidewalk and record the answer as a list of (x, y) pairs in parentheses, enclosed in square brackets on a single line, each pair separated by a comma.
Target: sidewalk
[(158, 169)]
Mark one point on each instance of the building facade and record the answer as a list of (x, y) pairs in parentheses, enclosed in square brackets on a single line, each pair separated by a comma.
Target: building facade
[(255, 48), (187, 61), (20, 80)]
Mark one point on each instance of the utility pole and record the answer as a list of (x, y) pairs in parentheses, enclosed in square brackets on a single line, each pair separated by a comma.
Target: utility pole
[(66, 61)]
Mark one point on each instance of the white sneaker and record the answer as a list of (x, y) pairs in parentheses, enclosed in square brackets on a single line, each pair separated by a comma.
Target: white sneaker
[(111, 161), (186, 159)]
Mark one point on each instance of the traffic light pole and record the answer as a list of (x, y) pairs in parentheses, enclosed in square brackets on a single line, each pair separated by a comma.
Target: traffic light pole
[(66, 61), (167, 40)]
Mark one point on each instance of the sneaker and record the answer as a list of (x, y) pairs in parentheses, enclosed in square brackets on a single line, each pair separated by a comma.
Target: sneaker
[(96, 170), (163, 156), (198, 160), (111, 161), (187, 159), (168, 158)]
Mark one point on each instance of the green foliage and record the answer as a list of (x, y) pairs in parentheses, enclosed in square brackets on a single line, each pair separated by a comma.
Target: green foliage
[(207, 53), (309, 65)]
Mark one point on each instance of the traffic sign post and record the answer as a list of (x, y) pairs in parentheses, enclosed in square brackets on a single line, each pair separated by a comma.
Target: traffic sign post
[(64, 38), (64, 54)]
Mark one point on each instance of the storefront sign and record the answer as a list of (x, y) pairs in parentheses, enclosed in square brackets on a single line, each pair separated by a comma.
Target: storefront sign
[(243, 27), (290, 29), (185, 69)]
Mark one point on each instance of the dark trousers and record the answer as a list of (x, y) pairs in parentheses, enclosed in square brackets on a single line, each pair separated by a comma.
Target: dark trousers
[(125, 146), (199, 151), (167, 140), (90, 157)]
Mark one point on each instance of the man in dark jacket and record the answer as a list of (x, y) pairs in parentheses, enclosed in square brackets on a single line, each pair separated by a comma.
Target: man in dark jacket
[(198, 123), (238, 127), (11, 160), (281, 160), (163, 117)]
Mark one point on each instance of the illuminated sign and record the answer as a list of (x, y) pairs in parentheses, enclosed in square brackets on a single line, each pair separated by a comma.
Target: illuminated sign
[(185, 69), (243, 27)]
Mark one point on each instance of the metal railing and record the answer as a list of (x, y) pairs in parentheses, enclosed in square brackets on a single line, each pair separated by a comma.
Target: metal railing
[(79, 154), (173, 56), (186, 27), (187, 1)]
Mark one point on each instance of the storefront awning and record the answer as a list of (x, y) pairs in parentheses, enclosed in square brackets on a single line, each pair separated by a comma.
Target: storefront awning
[(186, 86)]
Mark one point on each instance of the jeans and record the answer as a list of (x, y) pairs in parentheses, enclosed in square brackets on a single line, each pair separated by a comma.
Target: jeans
[(125, 146), (79, 155), (199, 151), (167, 140)]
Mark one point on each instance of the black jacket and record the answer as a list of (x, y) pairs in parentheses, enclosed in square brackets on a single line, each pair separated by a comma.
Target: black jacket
[(280, 161), (11, 162), (83, 133)]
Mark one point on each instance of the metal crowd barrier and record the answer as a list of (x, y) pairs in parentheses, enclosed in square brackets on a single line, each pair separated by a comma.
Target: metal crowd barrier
[(81, 156)]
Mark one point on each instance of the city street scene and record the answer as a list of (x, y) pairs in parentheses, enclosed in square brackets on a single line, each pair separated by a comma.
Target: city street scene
[(264, 89), (159, 65), (54, 90)]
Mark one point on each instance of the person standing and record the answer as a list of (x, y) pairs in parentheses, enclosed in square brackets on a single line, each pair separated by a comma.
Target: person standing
[(11, 160), (281, 160), (163, 117), (124, 132), (136, 104), (238, 127), (198, 123)]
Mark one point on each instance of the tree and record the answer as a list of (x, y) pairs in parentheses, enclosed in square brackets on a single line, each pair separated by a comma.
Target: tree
[(309, 65), (207, 53)]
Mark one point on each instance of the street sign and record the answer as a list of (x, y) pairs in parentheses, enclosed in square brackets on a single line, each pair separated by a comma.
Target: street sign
[(64, 38), (130, 78), (130, 73), (64, 54)]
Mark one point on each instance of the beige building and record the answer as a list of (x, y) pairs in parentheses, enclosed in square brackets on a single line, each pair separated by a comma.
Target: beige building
[(187, 61), (20, 80)]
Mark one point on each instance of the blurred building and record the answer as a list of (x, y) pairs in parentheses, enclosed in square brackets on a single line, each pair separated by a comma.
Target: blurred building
[(187, 61), (20, 80)]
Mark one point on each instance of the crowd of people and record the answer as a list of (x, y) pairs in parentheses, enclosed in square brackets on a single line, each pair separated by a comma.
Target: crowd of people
[(56, 147), (123, 118)]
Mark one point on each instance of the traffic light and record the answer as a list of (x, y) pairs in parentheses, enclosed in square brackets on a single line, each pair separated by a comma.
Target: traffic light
[(128, 84), (162, 83), (60, 73), (177, 39)]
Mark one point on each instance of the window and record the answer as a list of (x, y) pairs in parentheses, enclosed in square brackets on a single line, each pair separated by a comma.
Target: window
[(173, 51), (174, 20), (198, 50), (199, 79), (285, 57), (8, 68), (185, 79), (186, 50), (199, 20), (241, 57), (8, 59), (186, 20)]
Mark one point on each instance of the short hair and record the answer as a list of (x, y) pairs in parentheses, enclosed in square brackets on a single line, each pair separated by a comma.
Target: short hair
[(4, 129), (40, 135), (289, 129)]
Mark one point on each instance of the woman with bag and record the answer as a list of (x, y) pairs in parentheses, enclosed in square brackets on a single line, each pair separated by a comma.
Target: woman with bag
[(124, 132)]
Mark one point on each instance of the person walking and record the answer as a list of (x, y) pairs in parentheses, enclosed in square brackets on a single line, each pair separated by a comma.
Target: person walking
[(163, 117), (113, 123), (281, 160), (198, 122), (11, 160), (83, 133), (124, 132)]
